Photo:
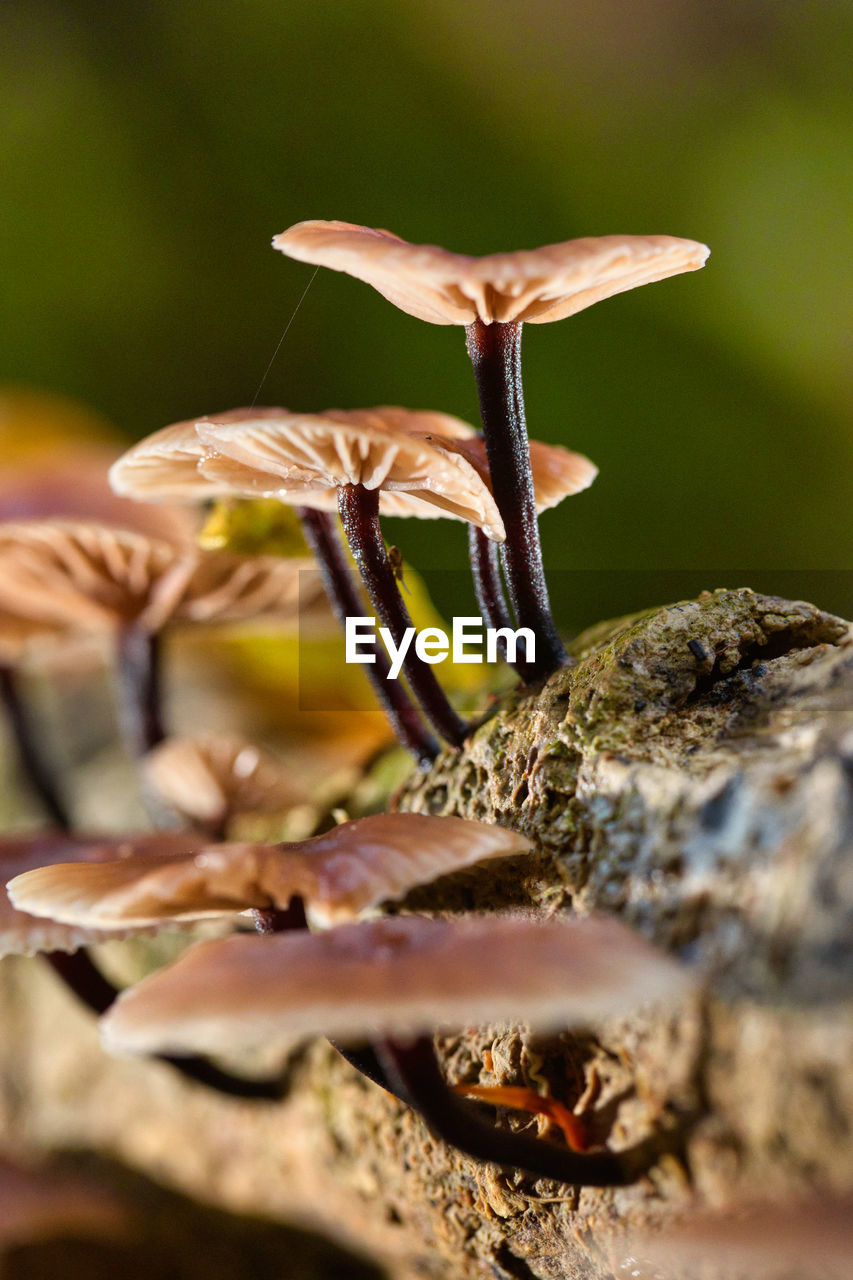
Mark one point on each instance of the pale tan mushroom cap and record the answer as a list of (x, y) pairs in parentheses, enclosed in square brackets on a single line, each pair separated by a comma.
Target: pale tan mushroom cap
[(209, 778), (163, 467), (316, 453), (426, 464), (25, 934), (533, 285), (338, 874), (71, 574), (395, 976)]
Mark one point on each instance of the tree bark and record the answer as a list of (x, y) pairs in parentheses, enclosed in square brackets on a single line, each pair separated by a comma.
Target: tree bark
[(693, 773)]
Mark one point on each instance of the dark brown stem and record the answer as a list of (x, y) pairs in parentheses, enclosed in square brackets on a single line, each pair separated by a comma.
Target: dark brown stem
[(495, 351), (414, 1069), (359, 510), (82, 976), (34, 761), (321, 534), (140, 689), (488, 585)]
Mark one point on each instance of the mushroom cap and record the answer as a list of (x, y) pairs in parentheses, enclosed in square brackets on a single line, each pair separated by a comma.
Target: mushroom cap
[(390, 977), (25, 934), (426, 464), (209, 778), (73, 574), (338, 874), (163, 467), (314, 454), (534, 285)]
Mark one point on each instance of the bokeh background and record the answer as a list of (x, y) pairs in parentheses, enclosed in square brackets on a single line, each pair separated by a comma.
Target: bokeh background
[(150, 149)]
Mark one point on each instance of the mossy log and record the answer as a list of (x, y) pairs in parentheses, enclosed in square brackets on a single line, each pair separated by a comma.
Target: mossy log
[(693, 773)]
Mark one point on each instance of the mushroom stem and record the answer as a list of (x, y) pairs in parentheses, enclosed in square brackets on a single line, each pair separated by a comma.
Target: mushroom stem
[(36, 767), (413, 1068), (83, 977), (322, 536), (359, 510), (140, 689), (488, 585), (495, 351)]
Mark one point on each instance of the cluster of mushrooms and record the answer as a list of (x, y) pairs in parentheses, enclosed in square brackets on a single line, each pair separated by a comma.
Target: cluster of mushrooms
[(310, 951)]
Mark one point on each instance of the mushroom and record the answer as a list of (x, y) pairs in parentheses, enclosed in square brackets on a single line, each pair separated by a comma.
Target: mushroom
[(337, 875), (61, 944), (492, 297), (395, 980), (420, 463), (169, 463), (75, 576), (210, 779)]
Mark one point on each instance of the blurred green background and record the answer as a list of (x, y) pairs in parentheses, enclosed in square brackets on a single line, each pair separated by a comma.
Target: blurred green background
[(151, 148)]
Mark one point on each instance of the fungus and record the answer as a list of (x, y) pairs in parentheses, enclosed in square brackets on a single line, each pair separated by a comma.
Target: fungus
[(492, 297), (210, 779), (61, 944), (75, 576), (395, 981), (337, 875), (414, 463)]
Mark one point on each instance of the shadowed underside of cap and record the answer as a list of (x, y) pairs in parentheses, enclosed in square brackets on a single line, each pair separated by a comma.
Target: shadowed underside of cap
[(400, 976), (339, 874), (425, 464), (533, 285), (315, 453), (164, 466)]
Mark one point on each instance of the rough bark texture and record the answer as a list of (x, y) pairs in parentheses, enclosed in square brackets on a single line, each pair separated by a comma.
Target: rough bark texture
[(692, 773)]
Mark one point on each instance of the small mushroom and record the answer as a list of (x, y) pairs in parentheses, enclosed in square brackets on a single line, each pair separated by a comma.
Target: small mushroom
[(62, 944), (75, 576), (492, 297), (338, 875), (212, 778)]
